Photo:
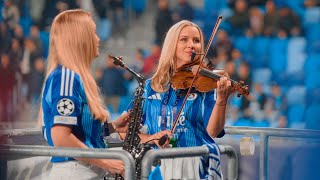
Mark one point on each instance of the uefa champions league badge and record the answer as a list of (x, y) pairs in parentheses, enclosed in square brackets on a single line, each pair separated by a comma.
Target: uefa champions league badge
[(65, 107)]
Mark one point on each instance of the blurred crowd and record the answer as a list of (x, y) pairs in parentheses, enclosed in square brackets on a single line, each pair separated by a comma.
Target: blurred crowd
[(272, 46)]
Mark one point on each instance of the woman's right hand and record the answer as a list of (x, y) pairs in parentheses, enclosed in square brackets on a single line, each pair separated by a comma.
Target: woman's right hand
[(158, 135), (113, 166)]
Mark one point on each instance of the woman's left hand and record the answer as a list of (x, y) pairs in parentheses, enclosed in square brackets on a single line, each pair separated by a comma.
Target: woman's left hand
[(224, 90), (120, 124)]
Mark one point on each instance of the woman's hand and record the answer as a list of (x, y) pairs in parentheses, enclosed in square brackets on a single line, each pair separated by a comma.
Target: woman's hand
[(155, 138), (120, 124), (224, 90), (113, 166)]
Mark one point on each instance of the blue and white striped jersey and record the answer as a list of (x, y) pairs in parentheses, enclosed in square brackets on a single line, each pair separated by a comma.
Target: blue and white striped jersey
[(160, 110), (64, 103)]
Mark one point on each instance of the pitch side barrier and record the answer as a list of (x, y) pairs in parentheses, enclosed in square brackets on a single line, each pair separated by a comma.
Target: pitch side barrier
[(264, 134), (150, 156), (7, 151), (157, 154)]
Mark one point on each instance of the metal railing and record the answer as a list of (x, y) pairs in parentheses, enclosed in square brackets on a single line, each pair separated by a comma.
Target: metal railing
[(156, 154), (32, 150), (232, 167), (264, 134)]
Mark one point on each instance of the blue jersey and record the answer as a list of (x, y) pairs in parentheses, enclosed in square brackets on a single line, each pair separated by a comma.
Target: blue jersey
[(64, 103), (160, 111)]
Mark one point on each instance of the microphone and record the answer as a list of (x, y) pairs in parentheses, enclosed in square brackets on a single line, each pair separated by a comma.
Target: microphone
[(193, 55), (163, 139)]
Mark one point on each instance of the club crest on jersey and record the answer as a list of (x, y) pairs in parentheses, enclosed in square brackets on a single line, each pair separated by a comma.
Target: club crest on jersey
[(65, 107), (192, 96)]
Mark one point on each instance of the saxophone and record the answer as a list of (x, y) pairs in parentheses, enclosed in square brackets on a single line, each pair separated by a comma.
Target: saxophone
[(132, 139)]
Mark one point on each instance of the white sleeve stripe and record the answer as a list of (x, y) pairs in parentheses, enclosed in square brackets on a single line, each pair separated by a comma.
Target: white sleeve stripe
[(71, 83), (66, 88), (62, 81)]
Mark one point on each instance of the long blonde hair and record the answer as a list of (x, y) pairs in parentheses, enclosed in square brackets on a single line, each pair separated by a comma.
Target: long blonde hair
[(72, 44), (166, 66)]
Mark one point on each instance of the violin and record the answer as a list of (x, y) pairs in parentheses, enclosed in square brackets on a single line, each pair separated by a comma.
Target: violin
[(205, 81)]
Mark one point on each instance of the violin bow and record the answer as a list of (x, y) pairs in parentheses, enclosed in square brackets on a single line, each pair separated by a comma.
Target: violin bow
[(216, 26)]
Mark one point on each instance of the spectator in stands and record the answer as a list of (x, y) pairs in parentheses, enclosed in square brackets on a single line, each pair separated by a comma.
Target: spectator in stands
[(54, 7), (10, 14), (118, 18), (258, 100), (35, 37), (30, 54), (15, 54), (19, 35), (183, 11), (5, 37), (223, 42), (271, 19), (114, 84), (8, 81), (203, 113), (289, 21), (256, 21), (151, 61), (240, 18), (245, 76), (163, 21), (36, 80), (276, 107), (72, 110)]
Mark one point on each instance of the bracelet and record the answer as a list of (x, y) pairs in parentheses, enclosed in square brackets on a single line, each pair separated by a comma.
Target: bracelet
[(221, 104)]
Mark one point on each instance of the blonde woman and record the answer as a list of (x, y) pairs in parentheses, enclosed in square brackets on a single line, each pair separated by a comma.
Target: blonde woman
[(203, 116), (72, 111)]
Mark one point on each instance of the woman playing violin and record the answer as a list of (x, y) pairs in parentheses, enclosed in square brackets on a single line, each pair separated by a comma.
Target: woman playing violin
[(202, 117)]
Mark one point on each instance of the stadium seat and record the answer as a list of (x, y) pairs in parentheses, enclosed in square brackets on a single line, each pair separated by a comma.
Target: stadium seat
[(295, 114), (296, 54), (44, 38), (312, 117), (263, 123), (243, 122), (313, 96), (25, 22), (296, 95), (244, 44), (278, 55), (261, 75), (260, 52)]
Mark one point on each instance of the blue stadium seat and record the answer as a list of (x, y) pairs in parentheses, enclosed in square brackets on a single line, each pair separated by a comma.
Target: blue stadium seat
[(278, 55), (312, 117), (313, 96), (243, 122), (245, 45), (104, 29), (261, 75), (312, 63), (312, 32), (139, 5), (261, 124), (296, 54), (25, 23), (44, 38), (296, 95), (295, 114), (312, 80), (260, 52)]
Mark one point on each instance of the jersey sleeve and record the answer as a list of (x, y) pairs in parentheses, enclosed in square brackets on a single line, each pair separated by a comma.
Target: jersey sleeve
[(66, 98)]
